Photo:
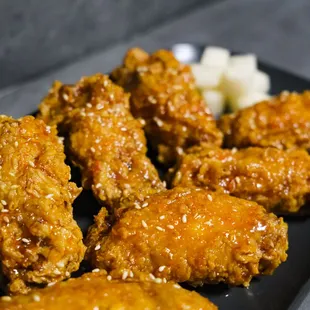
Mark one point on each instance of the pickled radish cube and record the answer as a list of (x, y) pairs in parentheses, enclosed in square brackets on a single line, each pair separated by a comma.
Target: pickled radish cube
[(206, 76), (250, 99), (246, 62), (215, 101), (236, 83), (261, 82), (215, 56)]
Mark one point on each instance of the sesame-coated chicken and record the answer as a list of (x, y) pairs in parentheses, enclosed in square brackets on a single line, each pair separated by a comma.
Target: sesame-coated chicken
[(94, 291), (164, 96), (39, 240), (282, 122), (103, 139), (194, 235), (277, 179)]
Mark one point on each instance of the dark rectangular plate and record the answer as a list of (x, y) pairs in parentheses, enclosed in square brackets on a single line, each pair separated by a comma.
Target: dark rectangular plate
[(287, 287)]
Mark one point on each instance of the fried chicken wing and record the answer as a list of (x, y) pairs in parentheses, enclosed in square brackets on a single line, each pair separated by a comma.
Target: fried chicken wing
[(191, 234), (282, 122), (94, 291), (104, 140), (279, 180), (39, 240), (164, 95)]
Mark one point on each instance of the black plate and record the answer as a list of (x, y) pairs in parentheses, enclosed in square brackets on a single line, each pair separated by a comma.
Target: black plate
[(288, 287)]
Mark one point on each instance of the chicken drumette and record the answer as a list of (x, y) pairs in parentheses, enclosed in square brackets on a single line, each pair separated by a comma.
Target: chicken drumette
[(282, 122), (103, 139), (164, 96), (191, 234), (39, 240), (279, 180)]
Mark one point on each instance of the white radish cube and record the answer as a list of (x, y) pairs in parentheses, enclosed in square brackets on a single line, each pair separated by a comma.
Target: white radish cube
[(215, 101), (250, 99), (206, 76), (215, 56), (246, 62), (236, 83), (261, 82)]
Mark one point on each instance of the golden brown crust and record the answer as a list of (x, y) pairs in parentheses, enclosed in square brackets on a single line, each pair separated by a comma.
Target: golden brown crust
[(39, 240), (94, 291), (164, 95), (276, 179), (190, 234), (282, 122), (104, 140)]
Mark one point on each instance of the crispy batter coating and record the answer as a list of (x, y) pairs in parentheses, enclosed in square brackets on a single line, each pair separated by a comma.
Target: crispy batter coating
[(282, 122), (93, 291), (279, 180), (104, 140), (39, 240), (164, 95), (191, 234)]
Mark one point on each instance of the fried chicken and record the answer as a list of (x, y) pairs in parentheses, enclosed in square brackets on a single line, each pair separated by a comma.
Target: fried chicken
[(279, 180), (164, 95), (282, 122), (95, 292), (39, 240), (194, 235), (104, 140)]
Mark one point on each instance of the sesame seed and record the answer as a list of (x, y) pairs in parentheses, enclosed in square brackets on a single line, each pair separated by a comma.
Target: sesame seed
[(137, 207), (99, 106), (125, 275), (31, 163), (4, 202), (170, 226), (164, 183), (131, 274), (25, 240), (88, 105), (97, 140), (6, 298), (96, 308), (161, 268), (48, 129), (51, 284), (152, 276), (109, 278), (60, 264), (98, 185), (93, 149), (164, 280), (6, 219), (161, 217), (176, 285), (158, 121), (16, 143), (145, 205), (56, 271), (67, 274), (144, 224), (158, 280), (209, 197), (49, 196), (36, 298), (184, 218), (4, 210), (237, 179), (95, 270), (83, 114), (160, 228), (97, 247)]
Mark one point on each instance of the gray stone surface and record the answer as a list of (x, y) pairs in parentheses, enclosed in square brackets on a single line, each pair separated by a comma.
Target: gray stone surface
[(36, 35)]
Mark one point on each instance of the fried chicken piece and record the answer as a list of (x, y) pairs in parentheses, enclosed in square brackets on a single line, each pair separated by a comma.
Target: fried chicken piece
[(279, 180), (39, 240), (194, 235), (95, 292), (164, 95), (282, 122), (104, 140)]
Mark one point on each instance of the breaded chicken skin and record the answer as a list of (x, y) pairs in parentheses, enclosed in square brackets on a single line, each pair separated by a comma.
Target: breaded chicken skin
[(279, 180), (164, 95), (190, 234), (39, 240), (282, 122), (94, 291), (104, 140)]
